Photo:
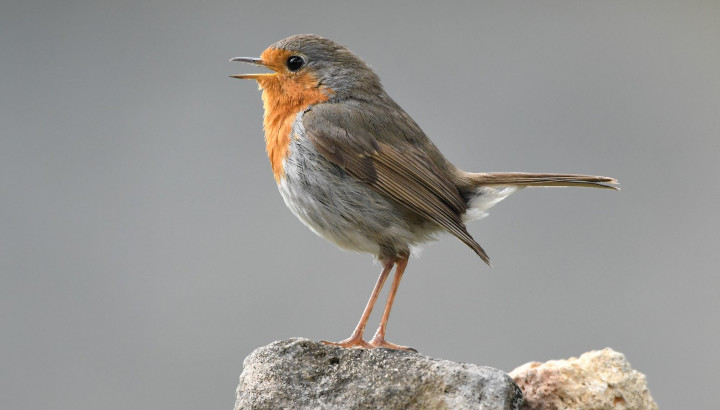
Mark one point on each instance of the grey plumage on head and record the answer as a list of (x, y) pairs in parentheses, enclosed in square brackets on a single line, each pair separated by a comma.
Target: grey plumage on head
[(336, 66)]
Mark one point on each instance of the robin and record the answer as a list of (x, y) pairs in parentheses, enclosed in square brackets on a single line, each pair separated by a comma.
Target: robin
[(358, 171)]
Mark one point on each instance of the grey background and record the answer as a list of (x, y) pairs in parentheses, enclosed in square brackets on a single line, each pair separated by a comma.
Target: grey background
[(145, 251)]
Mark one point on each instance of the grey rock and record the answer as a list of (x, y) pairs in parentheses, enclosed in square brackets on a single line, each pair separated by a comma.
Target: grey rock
[(302, 374)]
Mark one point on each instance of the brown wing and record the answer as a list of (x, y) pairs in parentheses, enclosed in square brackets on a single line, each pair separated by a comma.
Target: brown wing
[(400, 171)]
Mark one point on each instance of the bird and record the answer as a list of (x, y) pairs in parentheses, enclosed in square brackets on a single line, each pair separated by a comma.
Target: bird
[(357, 170)]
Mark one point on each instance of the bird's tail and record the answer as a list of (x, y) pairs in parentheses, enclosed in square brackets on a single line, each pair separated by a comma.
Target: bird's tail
[(523, 179), (491, 188)]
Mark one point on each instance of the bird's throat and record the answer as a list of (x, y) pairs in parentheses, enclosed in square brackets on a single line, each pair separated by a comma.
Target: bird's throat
[(283, 98)]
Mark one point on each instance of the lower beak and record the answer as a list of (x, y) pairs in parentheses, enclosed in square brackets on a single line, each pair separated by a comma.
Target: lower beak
[(250, 60)]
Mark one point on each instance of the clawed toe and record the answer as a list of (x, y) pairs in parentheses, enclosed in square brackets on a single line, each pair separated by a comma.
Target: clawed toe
[(381, 342), (359, 343), (350, 343)]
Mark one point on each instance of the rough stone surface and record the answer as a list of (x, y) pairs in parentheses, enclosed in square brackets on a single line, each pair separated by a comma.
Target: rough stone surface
[(597, 380), (302, 374)]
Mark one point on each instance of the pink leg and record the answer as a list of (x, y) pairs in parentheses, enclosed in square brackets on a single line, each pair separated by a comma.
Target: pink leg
[(356, 339), (379, 339)]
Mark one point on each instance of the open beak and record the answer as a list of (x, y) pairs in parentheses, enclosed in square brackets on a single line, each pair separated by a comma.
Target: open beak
[(251, 60)]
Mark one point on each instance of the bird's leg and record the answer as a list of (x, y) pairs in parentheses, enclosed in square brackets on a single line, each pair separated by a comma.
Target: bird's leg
[(379, 339), (356, 339)]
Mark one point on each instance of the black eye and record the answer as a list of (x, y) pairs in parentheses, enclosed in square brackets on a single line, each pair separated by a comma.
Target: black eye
[(294, 63)]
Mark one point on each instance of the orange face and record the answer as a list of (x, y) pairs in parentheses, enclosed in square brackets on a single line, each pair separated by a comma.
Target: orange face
[(285, 93)]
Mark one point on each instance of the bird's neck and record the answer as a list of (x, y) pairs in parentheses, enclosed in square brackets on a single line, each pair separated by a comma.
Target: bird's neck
[(282, 101)]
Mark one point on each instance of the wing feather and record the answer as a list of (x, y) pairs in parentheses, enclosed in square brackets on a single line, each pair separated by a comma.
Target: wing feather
[(400, 171)]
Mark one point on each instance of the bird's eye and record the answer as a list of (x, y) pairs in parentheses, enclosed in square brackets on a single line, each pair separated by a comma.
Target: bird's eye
[(294, 63)]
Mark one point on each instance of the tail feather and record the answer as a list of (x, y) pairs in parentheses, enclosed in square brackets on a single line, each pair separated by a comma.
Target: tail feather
[(523, 179), (491, 188)]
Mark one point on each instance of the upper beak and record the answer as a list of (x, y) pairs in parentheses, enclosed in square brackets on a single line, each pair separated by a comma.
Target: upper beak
[(251, 60)]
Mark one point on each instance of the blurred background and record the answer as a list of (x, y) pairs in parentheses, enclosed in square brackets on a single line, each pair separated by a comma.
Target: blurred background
[(145, 250)]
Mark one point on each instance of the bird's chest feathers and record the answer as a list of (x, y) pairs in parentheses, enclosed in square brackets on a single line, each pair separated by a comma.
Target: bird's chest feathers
[(282, 100)]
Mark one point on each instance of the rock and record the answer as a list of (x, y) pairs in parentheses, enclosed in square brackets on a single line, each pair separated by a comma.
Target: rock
[(597, 380), (302, 374)]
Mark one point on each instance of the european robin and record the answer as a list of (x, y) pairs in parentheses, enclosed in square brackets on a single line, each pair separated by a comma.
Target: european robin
[(358, 171)]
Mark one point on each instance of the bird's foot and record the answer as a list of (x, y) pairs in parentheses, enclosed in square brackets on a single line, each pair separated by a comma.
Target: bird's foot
[(379, 341), (353, 342)]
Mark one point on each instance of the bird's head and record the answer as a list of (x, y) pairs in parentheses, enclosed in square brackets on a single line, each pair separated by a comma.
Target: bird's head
[(309, 63)]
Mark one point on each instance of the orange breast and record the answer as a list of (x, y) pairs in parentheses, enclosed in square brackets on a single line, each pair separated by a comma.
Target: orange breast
[(283, 97)]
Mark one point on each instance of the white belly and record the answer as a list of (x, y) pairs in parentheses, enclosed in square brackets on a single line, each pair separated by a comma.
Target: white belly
[(342, 209)]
